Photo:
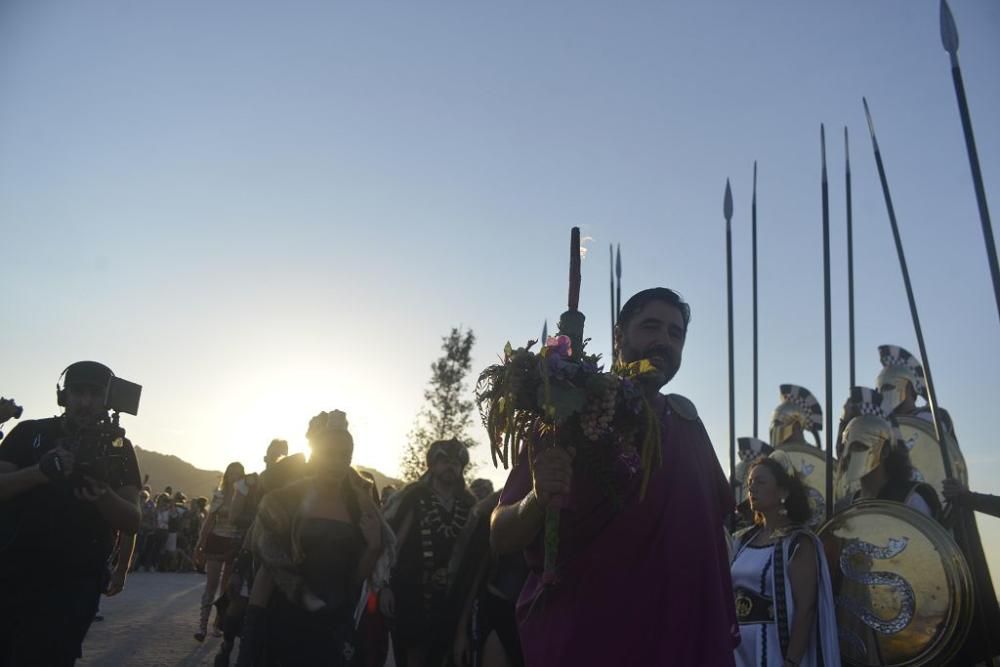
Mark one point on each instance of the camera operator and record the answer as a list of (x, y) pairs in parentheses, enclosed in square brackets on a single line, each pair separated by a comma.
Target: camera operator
[(67, 484)]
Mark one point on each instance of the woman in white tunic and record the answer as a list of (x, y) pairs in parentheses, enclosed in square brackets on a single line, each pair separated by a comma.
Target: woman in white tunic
[(784, 602)]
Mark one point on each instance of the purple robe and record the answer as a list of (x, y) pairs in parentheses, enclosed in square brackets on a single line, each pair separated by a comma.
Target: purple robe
[(647, 584)]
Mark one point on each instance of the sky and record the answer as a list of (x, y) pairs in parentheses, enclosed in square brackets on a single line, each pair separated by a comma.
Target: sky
[(259, 211)]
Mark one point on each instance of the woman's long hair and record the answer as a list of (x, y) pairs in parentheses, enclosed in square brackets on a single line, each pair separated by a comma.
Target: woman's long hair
[(229, 478), (797, 502)]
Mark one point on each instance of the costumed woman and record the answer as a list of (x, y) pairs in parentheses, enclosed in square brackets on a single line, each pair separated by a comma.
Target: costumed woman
[(321, 542), (219, 541), (784, 602)]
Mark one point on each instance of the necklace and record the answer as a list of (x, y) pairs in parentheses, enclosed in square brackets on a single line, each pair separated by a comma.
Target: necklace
[(775, 534)]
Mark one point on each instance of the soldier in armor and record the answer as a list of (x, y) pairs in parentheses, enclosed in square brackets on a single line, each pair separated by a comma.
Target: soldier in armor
[(901, 383), (876, 463), (797, 413)]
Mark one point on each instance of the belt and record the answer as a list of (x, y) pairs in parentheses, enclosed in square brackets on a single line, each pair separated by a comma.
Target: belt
[(752, 607)]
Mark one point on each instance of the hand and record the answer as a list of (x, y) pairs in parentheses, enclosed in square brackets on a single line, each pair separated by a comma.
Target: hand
[(91, 491), (117, 583), (954, 490), (387, 603), (553, 473), (371, 529), (199, 556), (56, 463)]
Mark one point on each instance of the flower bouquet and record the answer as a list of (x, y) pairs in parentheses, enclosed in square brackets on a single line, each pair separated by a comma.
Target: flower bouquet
[(558, 396), (554, 396)]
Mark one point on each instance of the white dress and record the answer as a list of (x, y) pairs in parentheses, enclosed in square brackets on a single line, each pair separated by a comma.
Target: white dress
[(752, 571)]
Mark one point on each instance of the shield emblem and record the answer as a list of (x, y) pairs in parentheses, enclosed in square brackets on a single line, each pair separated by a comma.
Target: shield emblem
[(902, 586), (925, 453)]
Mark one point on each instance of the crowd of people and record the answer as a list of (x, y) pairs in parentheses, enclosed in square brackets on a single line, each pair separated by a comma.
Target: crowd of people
[(309, 563), (168, 531)]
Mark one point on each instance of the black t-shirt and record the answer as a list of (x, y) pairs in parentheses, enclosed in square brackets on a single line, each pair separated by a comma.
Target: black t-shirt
[(48, 526)]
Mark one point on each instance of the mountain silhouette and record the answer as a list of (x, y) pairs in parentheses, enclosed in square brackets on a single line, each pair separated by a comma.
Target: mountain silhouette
[(163, 470)]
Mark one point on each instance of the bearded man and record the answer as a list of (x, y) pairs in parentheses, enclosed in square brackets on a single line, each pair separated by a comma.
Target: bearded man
[(640, 581)]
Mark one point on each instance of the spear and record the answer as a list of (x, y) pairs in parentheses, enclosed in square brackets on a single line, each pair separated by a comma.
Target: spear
[(949, 38), (614, 313), (828, 328), (618, 274), (931, 395), (850, 256), (727, 211), (753, 215)]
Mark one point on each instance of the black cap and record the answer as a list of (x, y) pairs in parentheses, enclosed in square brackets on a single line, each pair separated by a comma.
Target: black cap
[(87, 373)]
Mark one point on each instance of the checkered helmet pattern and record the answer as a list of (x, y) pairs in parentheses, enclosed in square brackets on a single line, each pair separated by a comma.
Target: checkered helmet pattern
[(868, 401), (894, 355), (751, 448), (805, 401)]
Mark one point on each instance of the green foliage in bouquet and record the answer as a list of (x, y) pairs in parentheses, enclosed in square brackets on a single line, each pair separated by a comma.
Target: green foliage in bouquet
[(554, 396)]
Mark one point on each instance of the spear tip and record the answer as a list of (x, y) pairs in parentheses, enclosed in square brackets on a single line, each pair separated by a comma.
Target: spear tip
[(949, 32), (727, 202)]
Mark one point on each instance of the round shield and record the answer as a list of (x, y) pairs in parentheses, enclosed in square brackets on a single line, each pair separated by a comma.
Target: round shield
[(902, 587), (925, 453), (810, 464)]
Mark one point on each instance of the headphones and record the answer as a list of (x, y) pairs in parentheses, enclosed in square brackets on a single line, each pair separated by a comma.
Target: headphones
[(61, 388)]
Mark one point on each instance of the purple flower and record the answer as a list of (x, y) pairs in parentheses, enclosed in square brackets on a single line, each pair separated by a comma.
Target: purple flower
[(560, 345), (560, 368), (632, 395)]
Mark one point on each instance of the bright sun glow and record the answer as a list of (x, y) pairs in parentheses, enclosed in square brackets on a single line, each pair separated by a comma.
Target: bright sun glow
[(258, 412)]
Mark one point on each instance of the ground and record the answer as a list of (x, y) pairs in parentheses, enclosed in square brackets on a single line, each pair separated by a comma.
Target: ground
[(151, 623)]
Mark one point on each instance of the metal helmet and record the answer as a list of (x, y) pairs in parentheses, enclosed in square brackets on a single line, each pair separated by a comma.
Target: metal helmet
[(751, 448), (901, 376), (798, 407), (867, 440)]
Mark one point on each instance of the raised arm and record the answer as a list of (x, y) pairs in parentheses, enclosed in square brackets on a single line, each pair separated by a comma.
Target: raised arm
[(514, 526)]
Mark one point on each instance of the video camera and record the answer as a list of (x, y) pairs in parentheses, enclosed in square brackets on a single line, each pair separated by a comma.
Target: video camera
[(8, 409), (99, 449)]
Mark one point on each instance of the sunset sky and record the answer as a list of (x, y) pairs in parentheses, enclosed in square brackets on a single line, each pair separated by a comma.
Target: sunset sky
[(263, 210)]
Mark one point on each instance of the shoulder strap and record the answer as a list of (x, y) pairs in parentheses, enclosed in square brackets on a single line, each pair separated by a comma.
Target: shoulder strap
[(743, 538), (780, 603)]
